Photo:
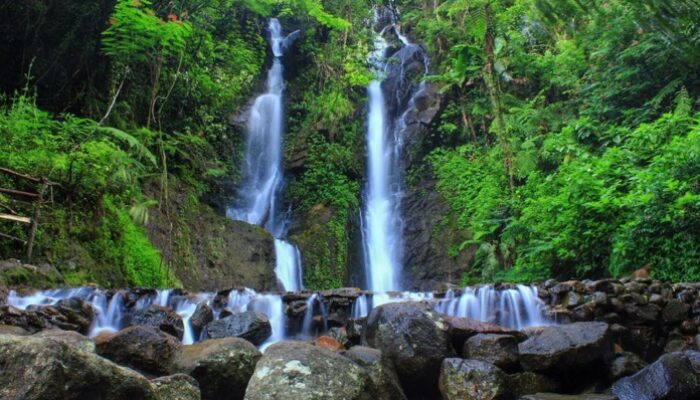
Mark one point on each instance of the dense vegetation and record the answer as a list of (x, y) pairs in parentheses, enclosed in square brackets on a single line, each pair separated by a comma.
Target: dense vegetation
[(567, 144)]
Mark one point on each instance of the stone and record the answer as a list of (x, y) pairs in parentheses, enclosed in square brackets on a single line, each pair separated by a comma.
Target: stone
[(674, 376), (529, 383), (222, 367), (340, 335), (380, 371), (163, 318), (559, 349), (473, 380), (249, 325), (415, 338), (464, 328), (499, 350), (77, 312), (46, 369), (176, 387), (328, 343), (202, 315), (145, 348), (72, 338), (675, 311), (625, 364), (298, 370), (554, 396)]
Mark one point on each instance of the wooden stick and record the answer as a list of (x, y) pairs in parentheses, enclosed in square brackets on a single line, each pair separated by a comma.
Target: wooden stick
[(35, 221), (18, 193), (16, 218), (10, 237), (19, 174)]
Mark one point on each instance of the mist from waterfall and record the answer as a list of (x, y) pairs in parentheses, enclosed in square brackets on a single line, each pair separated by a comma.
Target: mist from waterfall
[(259, 197)]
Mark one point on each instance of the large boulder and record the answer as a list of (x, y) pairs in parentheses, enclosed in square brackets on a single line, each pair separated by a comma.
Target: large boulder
[(499, 350), (68, 337), (222, 367), (473, 380), (674, 376), (298, 370), (380, 371), (414, 338), (560, 349), (144, 348), (176, 387), (43, 369), (163, 318), (249, 325)]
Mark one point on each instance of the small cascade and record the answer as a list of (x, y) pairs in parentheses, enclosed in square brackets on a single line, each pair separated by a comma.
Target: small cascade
[(360, 308), (109, 315), (162, 297), (516, 308), (258, 199), (272, 306), (314, 307)]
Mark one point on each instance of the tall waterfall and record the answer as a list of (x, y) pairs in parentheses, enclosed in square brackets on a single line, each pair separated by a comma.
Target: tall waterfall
[(263, 179), (382, 225)]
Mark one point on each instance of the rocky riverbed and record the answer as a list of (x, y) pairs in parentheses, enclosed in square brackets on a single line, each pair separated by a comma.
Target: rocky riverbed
[(608, 339)]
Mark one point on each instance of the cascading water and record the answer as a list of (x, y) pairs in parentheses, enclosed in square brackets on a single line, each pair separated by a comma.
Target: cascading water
[(381, 228), (262, 171)]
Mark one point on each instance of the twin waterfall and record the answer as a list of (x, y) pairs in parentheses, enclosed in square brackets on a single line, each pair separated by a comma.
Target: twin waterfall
[(263, 179)]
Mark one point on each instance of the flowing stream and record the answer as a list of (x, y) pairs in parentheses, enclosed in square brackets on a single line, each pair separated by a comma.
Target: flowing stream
[(263, 180)]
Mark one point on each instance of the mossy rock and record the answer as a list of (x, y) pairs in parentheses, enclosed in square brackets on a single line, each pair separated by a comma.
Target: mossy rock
[(13, 273)]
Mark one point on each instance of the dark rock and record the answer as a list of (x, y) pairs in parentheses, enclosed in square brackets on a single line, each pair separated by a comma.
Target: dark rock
[(641, 340), (341, 335), (249, 325), (380, 371), (473, 380), (499, 350), (675, 311), (689, 327), (625, 364), (554, 396), (44, 369), (202, 315), (464, 328), (644, 314), (416, 340), (222, 367), (77, 312), (176, 387), (163, 318), (562, 348), (297, 370), (674, 376), (355, 328), (144, 348), (530, 383), (30, 321)]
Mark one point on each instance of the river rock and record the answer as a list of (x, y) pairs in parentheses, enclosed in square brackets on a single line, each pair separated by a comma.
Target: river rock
[(68, 337), (202, 315), (473, 380), (249, 325), (415, 338), (674, 376), (43, 369), (554, 396), (163, 318), (77, 312), (625, 364), (176, 387), (144, 348), (529, 383), (298, 370), (380, 371), (499, 350), (463, 328), (559, 349), (222, 367), (675, 311)]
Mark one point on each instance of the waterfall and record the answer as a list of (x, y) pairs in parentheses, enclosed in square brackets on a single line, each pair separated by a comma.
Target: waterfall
[(381, 225), (263, 179)]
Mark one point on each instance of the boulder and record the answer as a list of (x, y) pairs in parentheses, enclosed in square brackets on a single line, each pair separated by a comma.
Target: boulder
[(675, 311), (380, 371), (249, 325), (298, 370), (202, 315), (473, 380), (499, 350), (674, 376), (163, 318), (144, 348), (559, 349), (176, 387), (464, 328), (68, 337), (222, 367), (529, 383), (43, 369), (77, 312), (414, 338), (554, 396), (625, 364)]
